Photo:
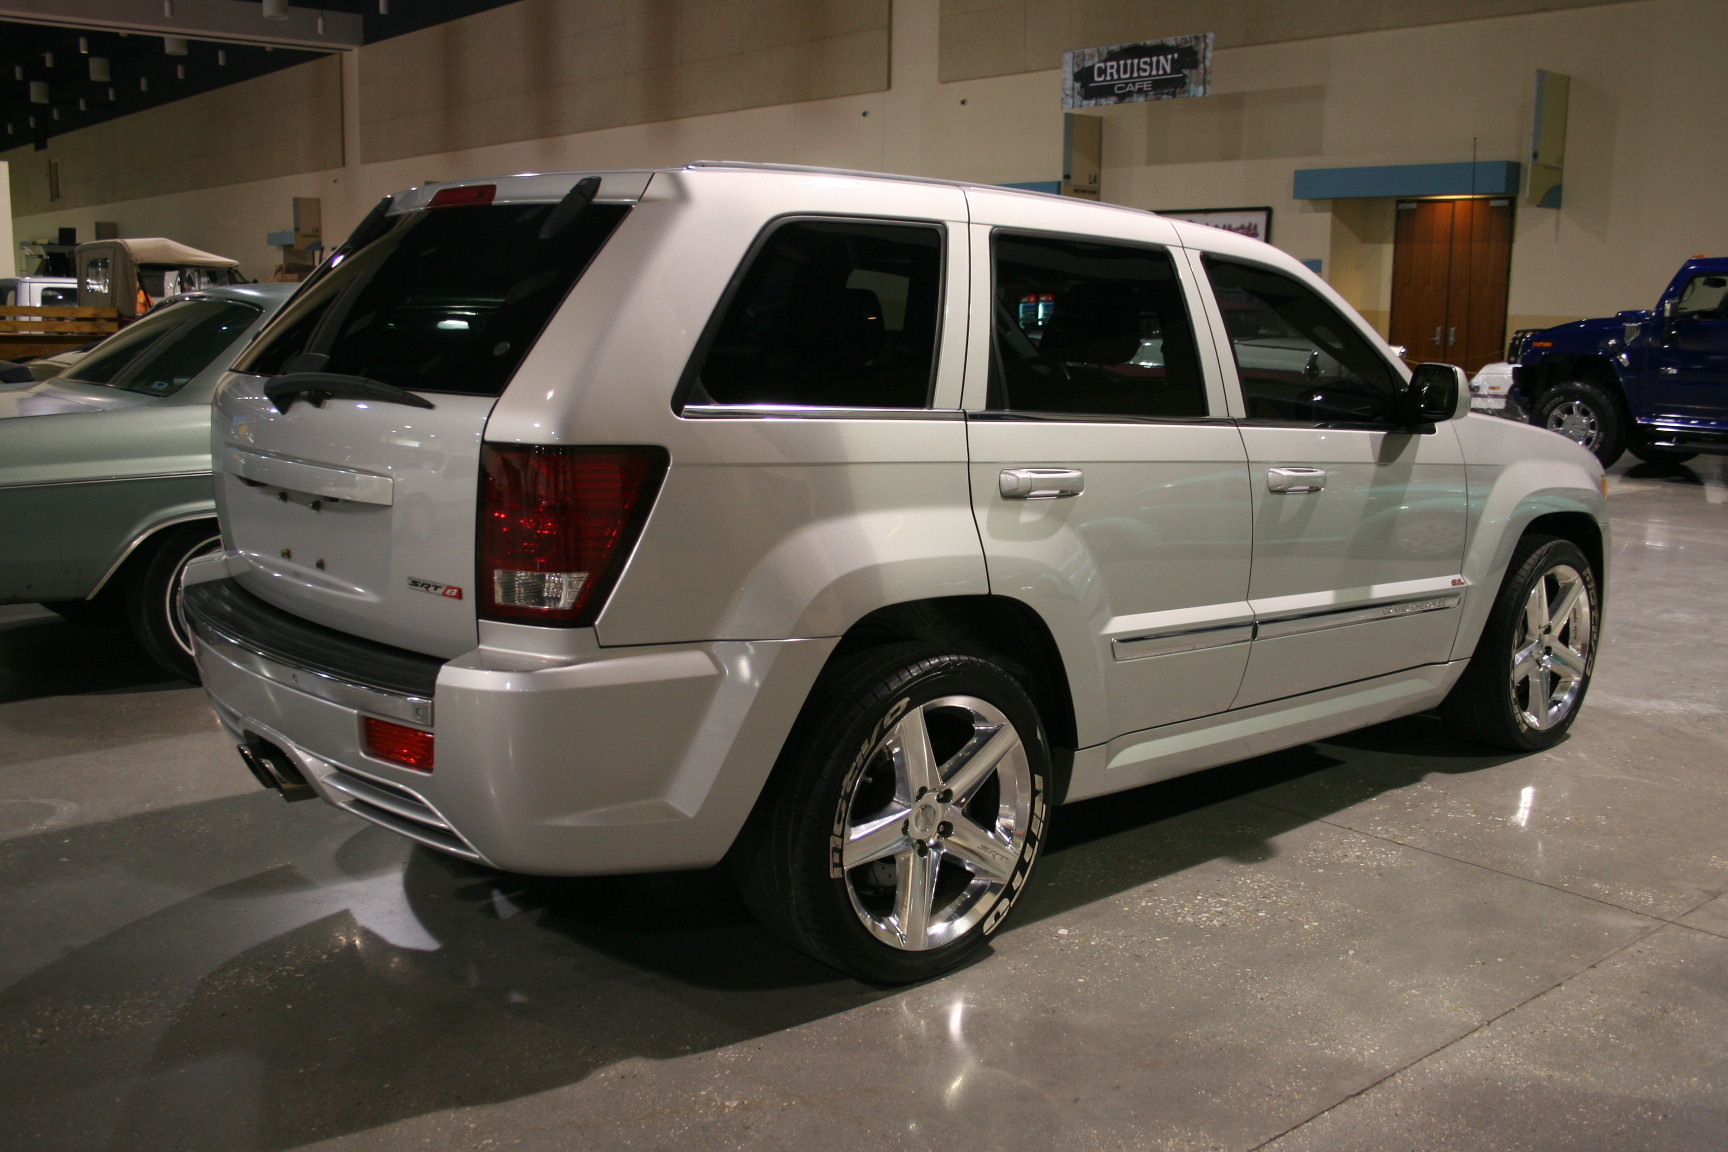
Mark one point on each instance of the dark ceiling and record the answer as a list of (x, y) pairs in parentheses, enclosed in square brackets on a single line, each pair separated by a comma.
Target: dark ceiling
[(143, 75)]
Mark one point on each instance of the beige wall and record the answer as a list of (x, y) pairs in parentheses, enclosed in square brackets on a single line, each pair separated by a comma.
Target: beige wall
[(286, 122), (1642, 183), (544, 68), (1004, 37)]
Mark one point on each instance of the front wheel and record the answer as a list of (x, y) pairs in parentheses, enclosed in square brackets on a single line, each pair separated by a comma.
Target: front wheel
[(1587, 413), (907, 812), (153, 596), (1532, 665)]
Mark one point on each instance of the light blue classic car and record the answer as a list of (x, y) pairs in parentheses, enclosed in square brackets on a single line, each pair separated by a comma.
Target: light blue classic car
[(105, 489)]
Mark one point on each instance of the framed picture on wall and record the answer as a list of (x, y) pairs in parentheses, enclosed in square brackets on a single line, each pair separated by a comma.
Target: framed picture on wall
[(1251, 222)]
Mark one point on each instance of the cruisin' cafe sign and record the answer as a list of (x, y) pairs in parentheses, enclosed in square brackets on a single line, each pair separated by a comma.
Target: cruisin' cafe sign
[(1150, 70)]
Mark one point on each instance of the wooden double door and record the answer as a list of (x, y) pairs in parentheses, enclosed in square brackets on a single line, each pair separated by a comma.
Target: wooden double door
[(1451, 263)]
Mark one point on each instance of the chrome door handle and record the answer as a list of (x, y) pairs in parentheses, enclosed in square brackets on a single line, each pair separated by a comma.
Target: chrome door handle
[(1040, 483), (1437, 338), (1295, 479)]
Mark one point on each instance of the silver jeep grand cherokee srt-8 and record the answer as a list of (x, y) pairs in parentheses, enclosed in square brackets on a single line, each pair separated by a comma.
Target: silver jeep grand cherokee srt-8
[(839, 525)]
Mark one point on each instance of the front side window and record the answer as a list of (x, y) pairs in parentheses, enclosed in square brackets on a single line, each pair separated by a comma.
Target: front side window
[(1300, 361), (1703, 298), (160, 353), (832, 314), (450, 299), (1089, 329)]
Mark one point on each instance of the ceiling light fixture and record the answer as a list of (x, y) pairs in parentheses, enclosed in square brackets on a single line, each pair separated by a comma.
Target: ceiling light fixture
[(38, 91), (320, 23), (383, 7), (275, 9), (99, 71), (84, 45), (222, 57), (179, 71), (174, 45), (143, 83), (47, 59), (83, 104)]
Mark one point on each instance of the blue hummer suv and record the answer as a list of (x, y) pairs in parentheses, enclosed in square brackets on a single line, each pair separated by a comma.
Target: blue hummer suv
[(1653, 383)]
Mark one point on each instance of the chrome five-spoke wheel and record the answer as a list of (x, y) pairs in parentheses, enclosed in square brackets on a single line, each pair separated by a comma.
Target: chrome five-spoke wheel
[(1524, 685), (904, 816), (1551, 657), (937, 822)]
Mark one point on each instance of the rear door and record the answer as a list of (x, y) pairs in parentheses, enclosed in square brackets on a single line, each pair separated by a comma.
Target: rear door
[(353, 505), (1109, 486)]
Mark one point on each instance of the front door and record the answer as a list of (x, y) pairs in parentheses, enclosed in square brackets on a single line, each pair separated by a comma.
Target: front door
[(1451, 264), (1358, 524), (1686, 368), (1110, 492)]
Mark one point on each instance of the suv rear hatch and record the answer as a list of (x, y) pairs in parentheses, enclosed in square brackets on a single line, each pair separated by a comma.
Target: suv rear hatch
[(348, 437)]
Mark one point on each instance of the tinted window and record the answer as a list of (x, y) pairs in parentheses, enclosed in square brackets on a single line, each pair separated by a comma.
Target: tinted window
[(165, 349), (448, 300), (831, 314), (60, 297), (1091, 329), (1299, 360)]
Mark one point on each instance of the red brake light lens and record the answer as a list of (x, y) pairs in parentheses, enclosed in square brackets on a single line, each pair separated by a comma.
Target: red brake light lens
[(397, 743), (466, 196), (556, 525)]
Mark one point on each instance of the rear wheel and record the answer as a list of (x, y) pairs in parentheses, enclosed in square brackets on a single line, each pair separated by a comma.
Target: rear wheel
[(1587, 413), (909, 808), (1532, 665), (153, 596)]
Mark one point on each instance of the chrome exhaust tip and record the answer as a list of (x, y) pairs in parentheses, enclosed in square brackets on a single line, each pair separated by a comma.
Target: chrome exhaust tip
[(274, 770)]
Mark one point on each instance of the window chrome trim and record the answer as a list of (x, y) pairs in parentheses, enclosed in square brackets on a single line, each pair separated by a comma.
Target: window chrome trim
[(345, 693), (813, 412)]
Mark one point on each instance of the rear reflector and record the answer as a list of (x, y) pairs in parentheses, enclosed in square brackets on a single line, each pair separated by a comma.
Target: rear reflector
[(556, 526), (397, 743), (468, 194)]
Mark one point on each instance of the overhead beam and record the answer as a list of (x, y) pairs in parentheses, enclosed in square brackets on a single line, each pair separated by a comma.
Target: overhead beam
[(226, 21)]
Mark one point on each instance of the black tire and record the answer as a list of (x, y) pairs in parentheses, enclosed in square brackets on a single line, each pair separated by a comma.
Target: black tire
[(1505, 702), (1586, 413), (1651, 454), (103, 612), (153, 595), (840, 773)]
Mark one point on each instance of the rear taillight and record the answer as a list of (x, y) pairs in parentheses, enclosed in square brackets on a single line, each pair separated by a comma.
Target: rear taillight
[(398, 743), (556, 525)]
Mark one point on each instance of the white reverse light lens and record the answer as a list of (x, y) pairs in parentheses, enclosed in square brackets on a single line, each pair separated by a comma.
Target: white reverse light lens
[(546, 590)]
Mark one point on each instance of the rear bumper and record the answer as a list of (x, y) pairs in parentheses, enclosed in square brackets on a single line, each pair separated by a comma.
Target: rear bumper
[(626, 760)]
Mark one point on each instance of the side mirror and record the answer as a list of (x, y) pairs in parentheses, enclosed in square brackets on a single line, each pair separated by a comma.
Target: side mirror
[(1437, 392), (11, 373)]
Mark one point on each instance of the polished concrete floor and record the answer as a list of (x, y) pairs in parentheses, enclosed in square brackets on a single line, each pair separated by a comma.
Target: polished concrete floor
[(1386, 941)]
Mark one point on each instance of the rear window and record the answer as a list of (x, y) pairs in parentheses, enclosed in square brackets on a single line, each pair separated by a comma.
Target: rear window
[(166, 348), (448, 300)]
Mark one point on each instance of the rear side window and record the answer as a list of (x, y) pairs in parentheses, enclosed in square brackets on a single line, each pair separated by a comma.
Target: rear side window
[(1300, 361), (448, 300), (1089, 329), (163, 350), (829, 313), (59, 297)]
